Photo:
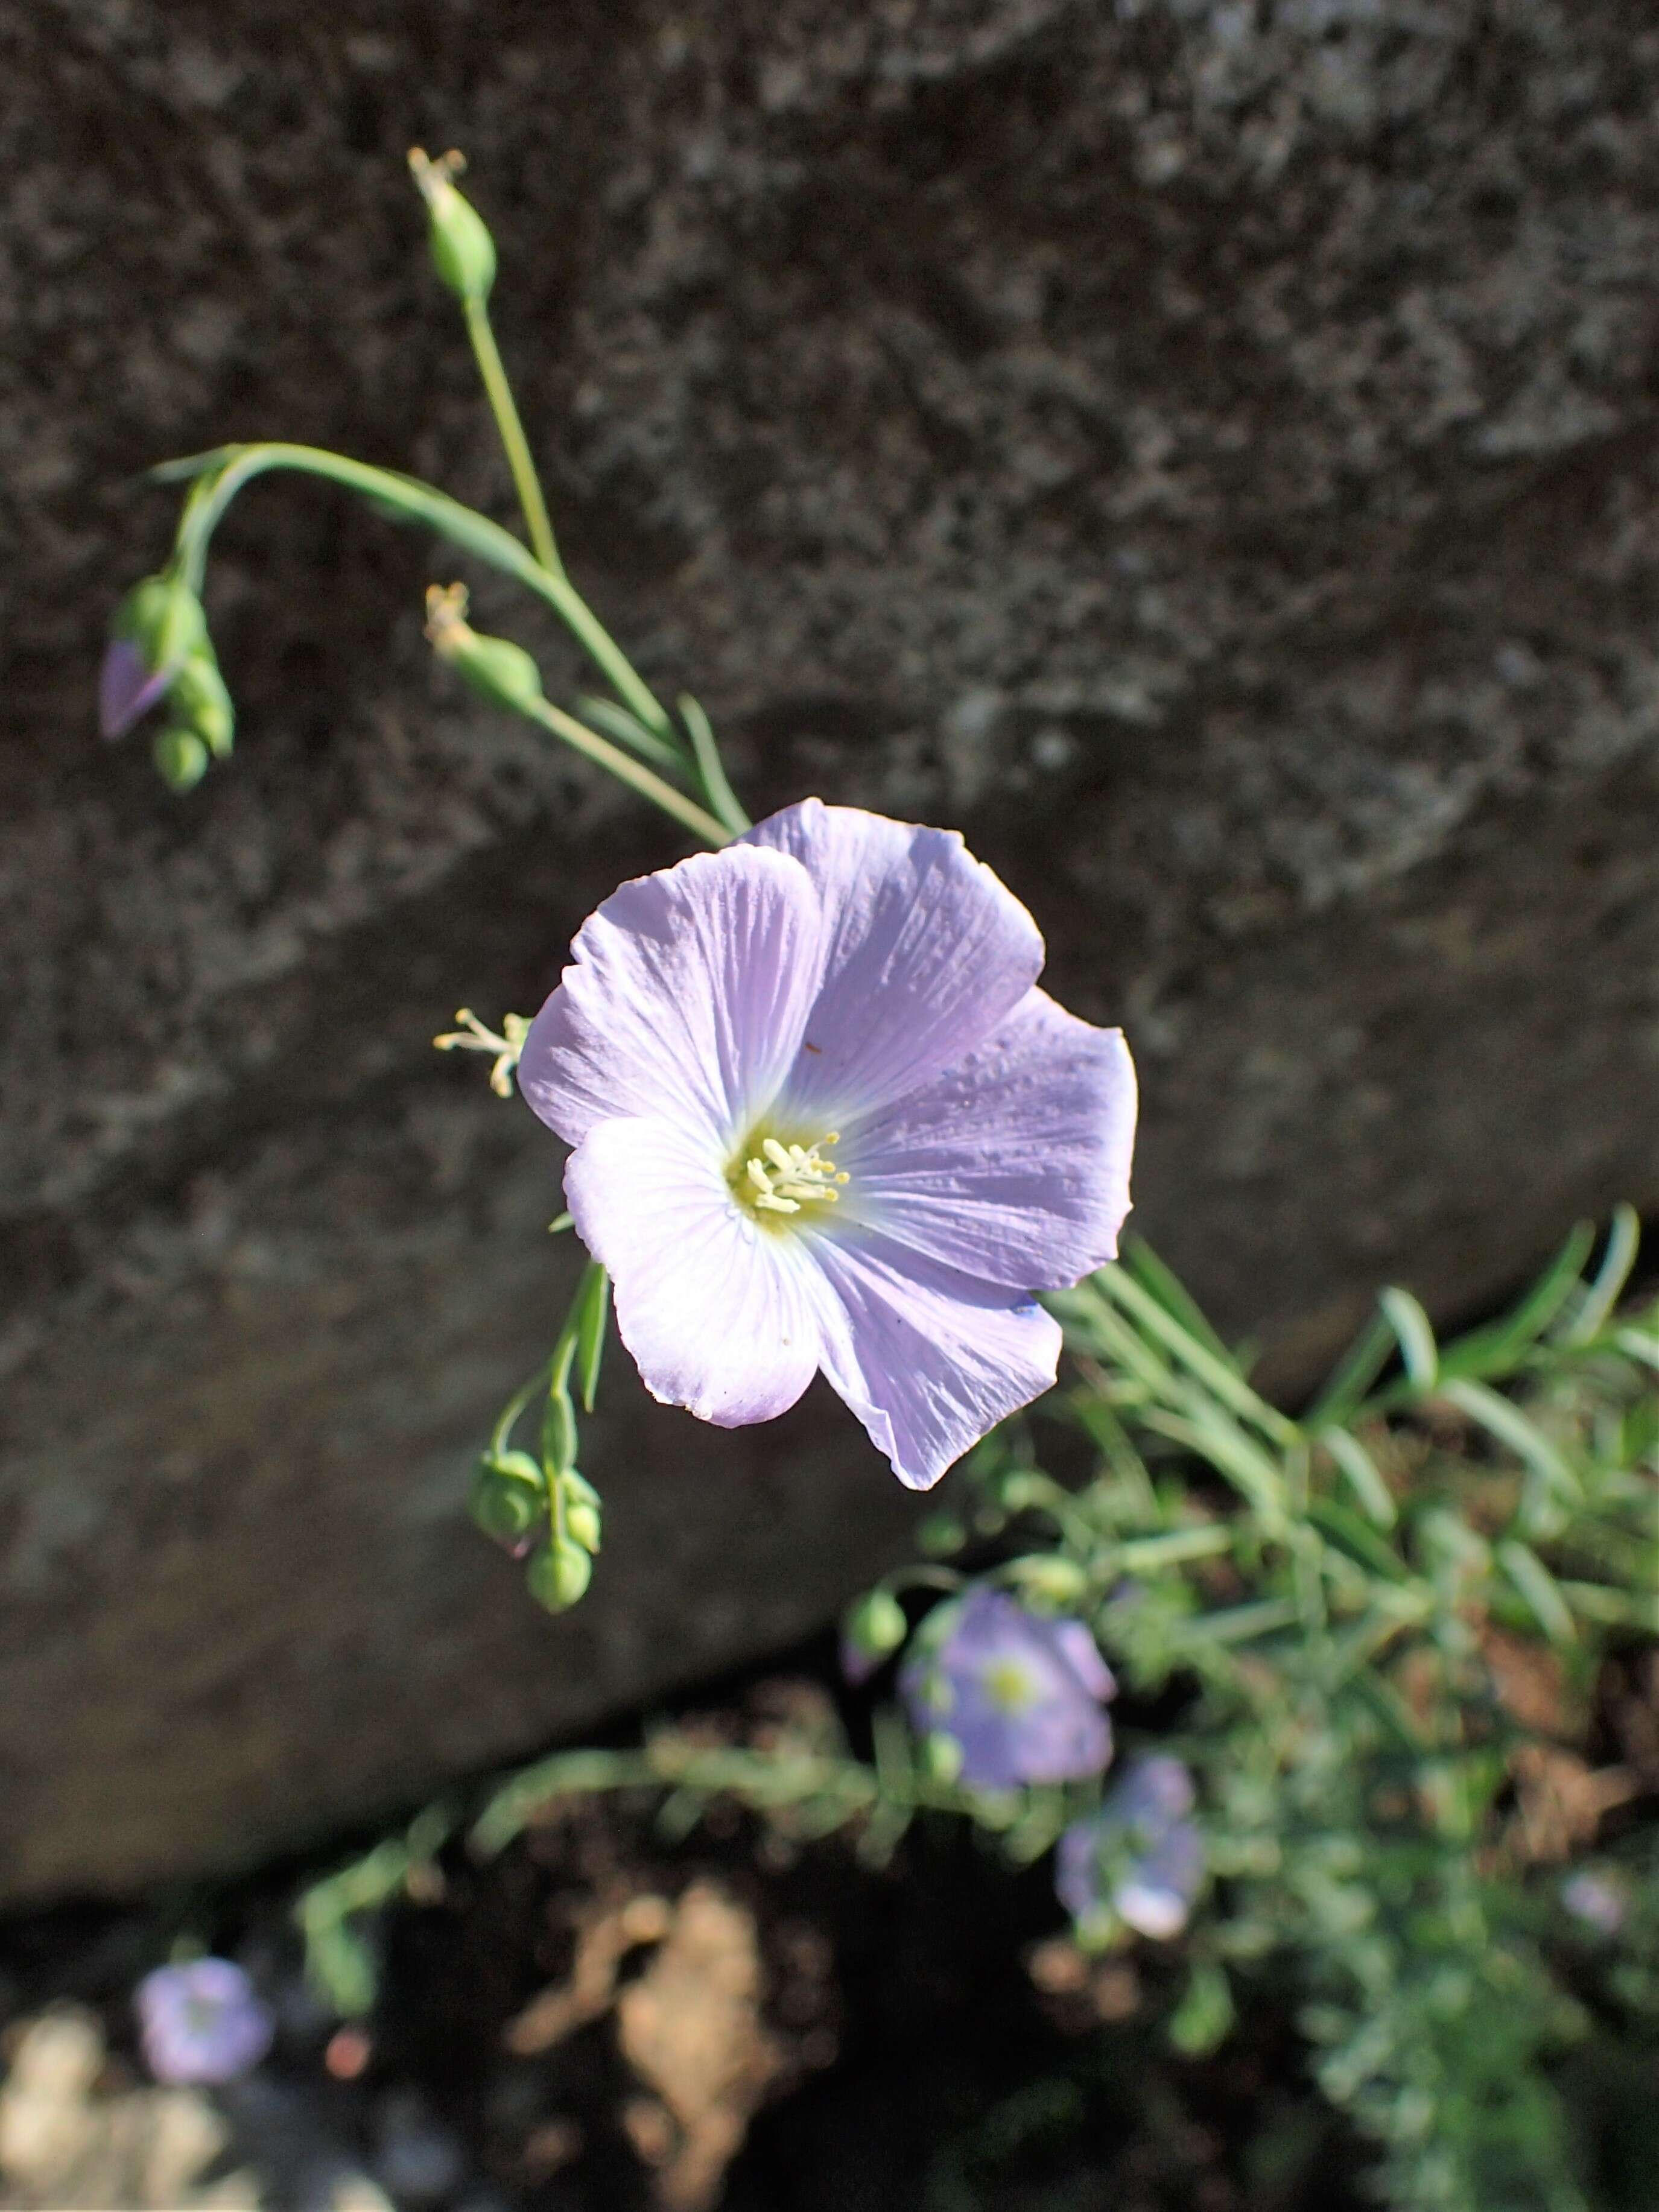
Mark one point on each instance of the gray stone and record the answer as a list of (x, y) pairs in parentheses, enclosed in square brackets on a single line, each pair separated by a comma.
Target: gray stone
[(1205, 451)]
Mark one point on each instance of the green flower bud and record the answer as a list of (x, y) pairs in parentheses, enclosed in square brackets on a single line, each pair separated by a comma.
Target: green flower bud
[(941, 1757), (939, 1534), (508, 1498), (1049, 1575), (157, 626), (498, 670), (581, 1523), (463, 251), (163, 618), (873, 1626), (199, 699), (180, 757), (557, 1577)]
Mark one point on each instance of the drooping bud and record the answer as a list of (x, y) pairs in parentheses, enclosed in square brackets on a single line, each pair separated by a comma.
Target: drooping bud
[(157, 626), (558, 1576), (180, 757), (872, 1628), (463, 251), (508, 1498), (941, 1757), (583, 1512), (200, 701), (498, 670)]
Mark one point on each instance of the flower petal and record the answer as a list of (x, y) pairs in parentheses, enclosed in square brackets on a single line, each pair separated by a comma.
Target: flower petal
[(1012, 1164), (127, 687), (925, 950), (928, 1359), (720, 1314), (687, 998)]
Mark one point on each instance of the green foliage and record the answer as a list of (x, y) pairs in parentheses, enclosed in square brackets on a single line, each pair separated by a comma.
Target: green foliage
[(1335, 1607)]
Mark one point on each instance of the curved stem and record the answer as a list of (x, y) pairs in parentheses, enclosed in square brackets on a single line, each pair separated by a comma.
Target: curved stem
[(408, 500), (516, 446)]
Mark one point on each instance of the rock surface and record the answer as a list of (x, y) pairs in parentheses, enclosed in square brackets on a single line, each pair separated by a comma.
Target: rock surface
[(1205, 451)]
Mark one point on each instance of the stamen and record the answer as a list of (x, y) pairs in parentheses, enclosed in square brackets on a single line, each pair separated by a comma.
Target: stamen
[(784, 1178)]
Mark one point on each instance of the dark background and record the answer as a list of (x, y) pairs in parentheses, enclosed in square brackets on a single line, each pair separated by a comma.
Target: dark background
[(1205, 451)]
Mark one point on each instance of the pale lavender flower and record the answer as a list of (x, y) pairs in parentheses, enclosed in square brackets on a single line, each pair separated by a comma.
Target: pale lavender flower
[(1018, 1693), (822, 1119), (1598, 1899), (1140, 1859), (127, 687), (201, 2022)]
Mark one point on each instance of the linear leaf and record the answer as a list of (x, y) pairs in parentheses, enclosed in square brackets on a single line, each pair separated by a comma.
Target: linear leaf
[(1624, 1237), (1537, 1586), (1415, 1335), (1362, 1474), (1510, 1427)]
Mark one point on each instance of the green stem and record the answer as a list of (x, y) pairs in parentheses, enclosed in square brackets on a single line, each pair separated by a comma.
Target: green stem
[(224, 473), (627, 770), (513, 442)]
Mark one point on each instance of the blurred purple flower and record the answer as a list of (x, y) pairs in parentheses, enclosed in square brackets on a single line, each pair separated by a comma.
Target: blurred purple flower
[(127, 687), (1018, 1693), (201, 2021), (1599, 1899), (1139, 1859), (822, 1119)]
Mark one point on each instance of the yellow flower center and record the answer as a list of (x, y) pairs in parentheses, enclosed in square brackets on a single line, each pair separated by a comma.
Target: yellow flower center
[(1007, 1686), (774, 1179)]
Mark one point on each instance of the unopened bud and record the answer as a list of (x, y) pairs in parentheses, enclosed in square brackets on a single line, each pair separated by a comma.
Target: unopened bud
[(1048, 1575), (158, 624), (200, 701), (941, 1757), (463, 251), (872, 1627), (582, 1516), (509, 1498), (557, 1577), (498, 670), (939, 1534), (180, 757)]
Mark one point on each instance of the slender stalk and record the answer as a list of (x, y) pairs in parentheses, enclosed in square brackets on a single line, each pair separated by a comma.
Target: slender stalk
[(224, 473), (515, 444), (629, 771)]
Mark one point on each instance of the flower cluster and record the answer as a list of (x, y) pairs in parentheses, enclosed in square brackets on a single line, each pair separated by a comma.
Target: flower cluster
[(825, 1119)]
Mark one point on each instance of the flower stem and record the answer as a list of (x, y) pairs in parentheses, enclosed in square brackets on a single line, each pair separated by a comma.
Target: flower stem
[(515, 444), (627, 770), (221, 475)]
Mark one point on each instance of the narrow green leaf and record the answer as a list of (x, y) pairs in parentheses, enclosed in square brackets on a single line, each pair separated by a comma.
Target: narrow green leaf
[(590, 1332), (1357, 1538), (1386, 1705), (1537, 1586), (1353, 1376), (1623, 1238), (723, 801), (1217, 1373), (1509, 1426), (1360, 1471), (1172, 1293), (1497, 1349), (1415, 1336)]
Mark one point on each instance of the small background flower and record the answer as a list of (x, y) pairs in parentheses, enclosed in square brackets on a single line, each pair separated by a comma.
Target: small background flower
[(1140, 1859), (1020, 1694), (201, 2021)]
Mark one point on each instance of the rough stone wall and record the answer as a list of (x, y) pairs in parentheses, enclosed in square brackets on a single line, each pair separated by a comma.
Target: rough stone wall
[(1205, 451)]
